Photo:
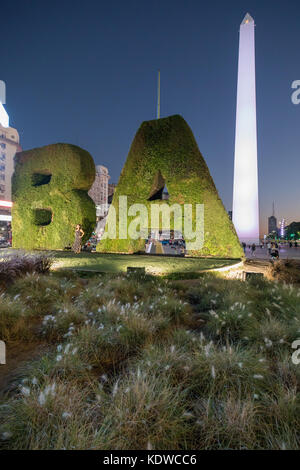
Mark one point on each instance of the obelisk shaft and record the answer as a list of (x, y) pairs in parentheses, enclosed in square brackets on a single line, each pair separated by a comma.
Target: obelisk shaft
[(245, 189)]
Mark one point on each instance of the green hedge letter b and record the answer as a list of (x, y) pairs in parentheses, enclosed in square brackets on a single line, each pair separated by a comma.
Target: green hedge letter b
[(50, 196)]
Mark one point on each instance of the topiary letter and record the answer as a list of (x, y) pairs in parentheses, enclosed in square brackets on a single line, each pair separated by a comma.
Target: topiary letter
[(49, 188), (165, 152)]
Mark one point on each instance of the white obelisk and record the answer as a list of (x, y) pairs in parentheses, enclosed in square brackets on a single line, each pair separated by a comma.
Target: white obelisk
[(245, 212)]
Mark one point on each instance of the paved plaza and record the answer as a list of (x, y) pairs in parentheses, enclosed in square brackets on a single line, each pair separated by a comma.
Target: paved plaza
[(285, 252)]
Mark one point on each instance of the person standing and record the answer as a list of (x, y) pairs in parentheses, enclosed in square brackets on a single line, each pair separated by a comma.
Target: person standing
[(253, 248), (78, 236), (269, 246)]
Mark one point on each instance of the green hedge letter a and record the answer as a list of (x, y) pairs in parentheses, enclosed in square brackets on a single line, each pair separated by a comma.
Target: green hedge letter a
[(50, 196)]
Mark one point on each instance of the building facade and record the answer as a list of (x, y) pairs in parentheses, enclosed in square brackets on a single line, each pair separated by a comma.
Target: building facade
[(9, 145), (99, 191), (272, 225)]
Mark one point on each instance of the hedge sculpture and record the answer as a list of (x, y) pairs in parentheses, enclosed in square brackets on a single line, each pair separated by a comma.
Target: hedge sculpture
[(164, 152), (49, 190)]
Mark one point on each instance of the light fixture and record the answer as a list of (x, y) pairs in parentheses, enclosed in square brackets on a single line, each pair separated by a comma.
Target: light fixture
[(6, 204)]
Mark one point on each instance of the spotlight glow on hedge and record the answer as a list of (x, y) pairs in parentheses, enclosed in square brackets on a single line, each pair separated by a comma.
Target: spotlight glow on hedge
[(245, 189), (4, 118)]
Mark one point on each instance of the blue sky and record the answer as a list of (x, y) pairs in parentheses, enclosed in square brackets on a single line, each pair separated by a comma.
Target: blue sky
[(85, 73)]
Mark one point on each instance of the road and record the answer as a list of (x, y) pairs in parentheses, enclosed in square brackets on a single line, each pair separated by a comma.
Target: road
[(284, 253)]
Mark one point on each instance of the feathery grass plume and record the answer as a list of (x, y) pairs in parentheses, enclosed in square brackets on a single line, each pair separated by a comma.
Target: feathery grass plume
[(144, 409), (225, 424), (279, 418), (108, 347), (67, 317), (230, 325), (15, 319), (271, 336), (63, 420), (40, 293)]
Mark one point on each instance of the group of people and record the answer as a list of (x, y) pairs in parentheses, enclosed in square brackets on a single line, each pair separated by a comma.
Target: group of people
[(252, 248), (272, 247)]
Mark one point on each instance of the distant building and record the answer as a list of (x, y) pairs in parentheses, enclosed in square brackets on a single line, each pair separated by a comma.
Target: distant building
[(111, 191), (9, 145), (272, 223), (99, 191)]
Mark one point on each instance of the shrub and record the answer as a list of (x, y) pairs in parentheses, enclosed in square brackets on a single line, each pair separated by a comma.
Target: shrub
[(229, 423), (40, 293), (285, 270), (52, 416), (14, 320), (279, 419), (16, 266), (145, 412)]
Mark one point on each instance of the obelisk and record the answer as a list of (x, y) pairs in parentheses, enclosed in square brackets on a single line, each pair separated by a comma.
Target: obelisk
[(245, 211)]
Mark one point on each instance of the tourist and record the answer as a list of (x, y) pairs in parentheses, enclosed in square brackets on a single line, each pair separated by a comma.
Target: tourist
[(78, 236), (269, 246), (253, 248), (275, 251)]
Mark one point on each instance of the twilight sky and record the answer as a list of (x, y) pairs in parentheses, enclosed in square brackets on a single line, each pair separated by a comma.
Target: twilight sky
[(85, 73)]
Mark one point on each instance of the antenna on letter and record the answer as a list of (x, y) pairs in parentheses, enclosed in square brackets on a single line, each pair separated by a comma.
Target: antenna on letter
[(158, 95)]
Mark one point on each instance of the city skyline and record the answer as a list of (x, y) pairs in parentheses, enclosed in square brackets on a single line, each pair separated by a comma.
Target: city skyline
[(82, 88)]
